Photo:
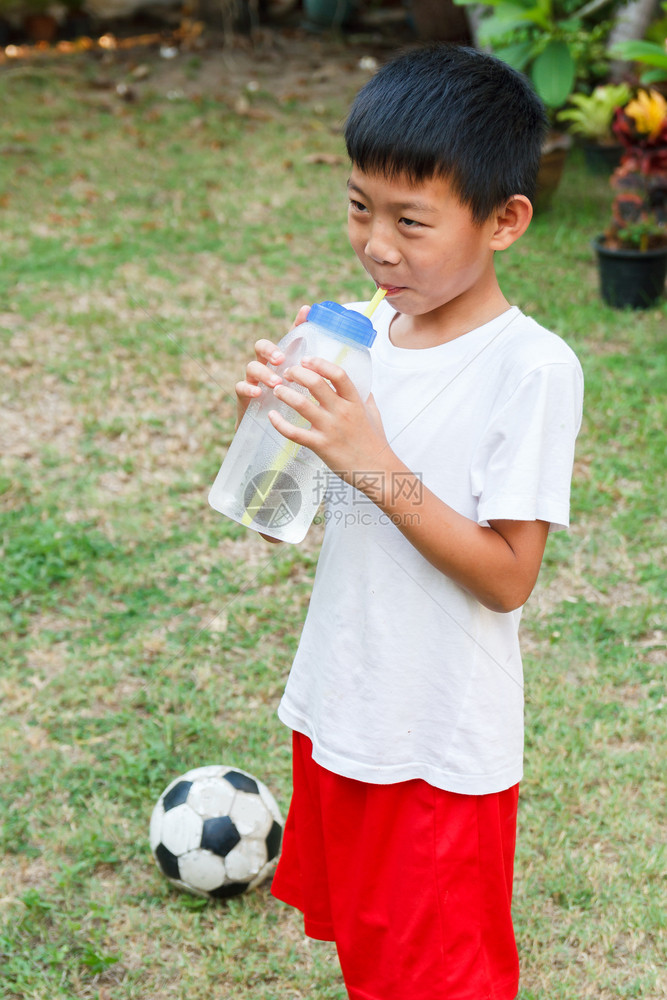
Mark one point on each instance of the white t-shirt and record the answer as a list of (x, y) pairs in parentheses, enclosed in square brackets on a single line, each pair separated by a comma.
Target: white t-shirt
[(400, 673)]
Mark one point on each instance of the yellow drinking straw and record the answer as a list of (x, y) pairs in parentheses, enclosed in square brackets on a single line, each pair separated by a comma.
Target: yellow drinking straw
[(375, 301), (291, 447)]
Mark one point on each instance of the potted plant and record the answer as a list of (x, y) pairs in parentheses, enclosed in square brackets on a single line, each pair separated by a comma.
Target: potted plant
[(561, 46), (632, 252), (590, 118)]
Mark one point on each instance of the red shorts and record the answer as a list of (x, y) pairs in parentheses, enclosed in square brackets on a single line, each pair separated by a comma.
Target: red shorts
[(413, 883)]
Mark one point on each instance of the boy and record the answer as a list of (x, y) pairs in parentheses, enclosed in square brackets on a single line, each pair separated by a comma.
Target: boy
[(405, 696)]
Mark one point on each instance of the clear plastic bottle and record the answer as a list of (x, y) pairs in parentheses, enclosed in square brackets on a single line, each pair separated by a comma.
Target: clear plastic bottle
[(267, 482)]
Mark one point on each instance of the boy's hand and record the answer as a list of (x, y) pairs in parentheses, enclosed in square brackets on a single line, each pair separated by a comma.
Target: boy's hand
[(345, 432), (497, 563), (258, 372)]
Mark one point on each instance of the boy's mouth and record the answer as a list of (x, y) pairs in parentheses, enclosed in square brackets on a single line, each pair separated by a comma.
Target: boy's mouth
[(390, 289)]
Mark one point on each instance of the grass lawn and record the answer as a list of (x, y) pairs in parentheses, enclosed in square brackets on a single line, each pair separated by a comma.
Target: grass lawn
[(146, 243)]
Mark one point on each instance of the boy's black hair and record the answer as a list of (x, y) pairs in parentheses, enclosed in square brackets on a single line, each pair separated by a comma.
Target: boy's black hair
[(450, 111)]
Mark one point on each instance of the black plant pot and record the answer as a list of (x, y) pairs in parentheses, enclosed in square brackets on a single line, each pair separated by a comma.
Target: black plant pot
[(632, 279), (555, 151), (601, 158)]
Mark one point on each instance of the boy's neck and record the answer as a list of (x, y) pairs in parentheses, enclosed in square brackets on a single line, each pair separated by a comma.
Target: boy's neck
[(450, 321)]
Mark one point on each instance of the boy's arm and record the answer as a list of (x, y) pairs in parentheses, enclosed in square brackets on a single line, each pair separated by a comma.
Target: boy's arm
[(498, 564)]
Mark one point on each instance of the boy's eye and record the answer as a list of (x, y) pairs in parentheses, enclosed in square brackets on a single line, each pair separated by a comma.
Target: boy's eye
[(410, 223), (357, 205)]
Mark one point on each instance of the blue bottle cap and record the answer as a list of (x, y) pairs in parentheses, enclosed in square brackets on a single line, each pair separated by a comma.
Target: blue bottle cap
[(346, 324)]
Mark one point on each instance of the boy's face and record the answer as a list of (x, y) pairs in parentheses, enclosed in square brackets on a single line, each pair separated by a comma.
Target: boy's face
[(420, 243)]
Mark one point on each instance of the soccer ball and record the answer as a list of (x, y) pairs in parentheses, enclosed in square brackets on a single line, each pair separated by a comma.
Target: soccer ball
[(216, 831)]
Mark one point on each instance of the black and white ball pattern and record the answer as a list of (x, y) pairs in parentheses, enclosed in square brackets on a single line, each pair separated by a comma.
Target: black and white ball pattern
[(216, 831)]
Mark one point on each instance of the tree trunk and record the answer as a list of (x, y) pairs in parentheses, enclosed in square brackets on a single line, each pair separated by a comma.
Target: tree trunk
[(631, 23)]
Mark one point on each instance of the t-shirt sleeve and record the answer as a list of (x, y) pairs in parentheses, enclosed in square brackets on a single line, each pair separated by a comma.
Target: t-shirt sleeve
[(522, 468)]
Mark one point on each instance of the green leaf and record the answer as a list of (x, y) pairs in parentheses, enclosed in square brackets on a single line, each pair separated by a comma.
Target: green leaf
[(499, 25), (508, 17), (517, 56), (652, 76), (541, 15), (553, 74), (646, 52), (545, 7)]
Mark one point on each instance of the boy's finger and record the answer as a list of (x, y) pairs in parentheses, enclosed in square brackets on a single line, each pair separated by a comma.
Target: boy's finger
[(270, 353), (247, 390), (258, 372), (333, 373), (317, 386), (305, 404), (301, 316), (300, 435)]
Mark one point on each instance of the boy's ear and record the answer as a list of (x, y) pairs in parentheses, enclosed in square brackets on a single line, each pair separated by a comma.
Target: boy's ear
[(512, 220)]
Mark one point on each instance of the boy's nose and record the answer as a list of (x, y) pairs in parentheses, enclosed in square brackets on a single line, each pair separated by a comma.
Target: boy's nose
[(380, 247)]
